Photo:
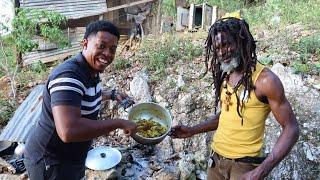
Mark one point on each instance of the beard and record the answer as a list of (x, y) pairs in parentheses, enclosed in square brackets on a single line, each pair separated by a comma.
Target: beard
[(230, 66)]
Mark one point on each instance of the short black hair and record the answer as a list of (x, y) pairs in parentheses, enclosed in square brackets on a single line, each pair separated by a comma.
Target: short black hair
[(101, 25)]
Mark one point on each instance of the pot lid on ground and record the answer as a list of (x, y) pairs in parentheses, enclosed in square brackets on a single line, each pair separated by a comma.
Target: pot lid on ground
[(102, 158)]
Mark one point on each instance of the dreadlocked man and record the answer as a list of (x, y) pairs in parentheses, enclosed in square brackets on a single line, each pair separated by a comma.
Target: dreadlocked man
[(246, 93)]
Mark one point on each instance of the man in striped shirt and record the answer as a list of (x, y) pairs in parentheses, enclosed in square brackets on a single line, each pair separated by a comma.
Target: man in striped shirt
[(58, 146)]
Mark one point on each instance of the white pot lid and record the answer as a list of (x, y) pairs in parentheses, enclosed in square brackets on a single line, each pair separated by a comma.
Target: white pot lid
[(102, 158)]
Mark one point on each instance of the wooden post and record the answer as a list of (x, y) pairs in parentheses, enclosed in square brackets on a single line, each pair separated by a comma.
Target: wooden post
[(191, 17), (159, 18), (161, 25), (204, 15), (214, 14)]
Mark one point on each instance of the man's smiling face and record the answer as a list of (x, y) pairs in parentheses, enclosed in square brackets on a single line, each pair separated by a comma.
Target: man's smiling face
[(99, 50)]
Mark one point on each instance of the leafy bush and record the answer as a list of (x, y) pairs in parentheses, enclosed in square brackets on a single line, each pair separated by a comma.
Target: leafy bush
[(307, 48), (192, 50), (300, 67), (266, 60), (7, 54), (27, 24), (121, 63), (308, 45), (30, 22), (306, 67), (169, 8), (6, 111), (159, 53), (38, 67)]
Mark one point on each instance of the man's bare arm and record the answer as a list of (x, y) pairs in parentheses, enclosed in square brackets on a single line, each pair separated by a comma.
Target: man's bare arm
[(181, 131), (210, 124), (271, 87), (71, 127)]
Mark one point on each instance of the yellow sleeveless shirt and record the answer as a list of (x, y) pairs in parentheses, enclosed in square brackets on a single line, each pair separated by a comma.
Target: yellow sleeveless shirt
[(233, 140)]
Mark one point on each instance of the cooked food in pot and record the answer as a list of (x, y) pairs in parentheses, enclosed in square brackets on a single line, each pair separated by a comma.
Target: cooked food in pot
[(150, 128)]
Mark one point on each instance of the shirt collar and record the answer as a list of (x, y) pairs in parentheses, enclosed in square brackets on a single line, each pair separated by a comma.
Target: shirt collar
[(81, 60)]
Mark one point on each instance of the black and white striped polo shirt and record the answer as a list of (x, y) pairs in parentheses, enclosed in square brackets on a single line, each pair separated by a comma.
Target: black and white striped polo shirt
[(70, 83)]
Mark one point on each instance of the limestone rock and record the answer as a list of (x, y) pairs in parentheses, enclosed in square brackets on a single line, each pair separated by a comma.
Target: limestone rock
[(139, 87)]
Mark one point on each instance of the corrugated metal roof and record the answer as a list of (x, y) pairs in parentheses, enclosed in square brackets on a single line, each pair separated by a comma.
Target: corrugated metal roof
[(72, 9), (24, 118)]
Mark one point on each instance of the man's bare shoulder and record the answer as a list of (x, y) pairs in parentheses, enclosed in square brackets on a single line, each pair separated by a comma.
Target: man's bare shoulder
[(268, 83)]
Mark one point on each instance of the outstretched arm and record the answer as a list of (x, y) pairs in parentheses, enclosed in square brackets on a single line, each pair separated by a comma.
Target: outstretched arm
[(67, 92), (71, 127), (181, 131), (210, 124), (270, 86)]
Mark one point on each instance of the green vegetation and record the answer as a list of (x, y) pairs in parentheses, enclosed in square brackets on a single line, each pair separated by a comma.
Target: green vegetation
[(43, 23), (6, 111), (31, 74), (158, 53), (280, 13), (300, 67), (38, 67), (120, 63), (308, 49), (266, 60), (7, 56), (169, 8), (7, 68), (308, 45)]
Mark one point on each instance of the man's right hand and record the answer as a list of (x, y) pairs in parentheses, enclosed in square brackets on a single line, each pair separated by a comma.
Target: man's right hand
[(129, 127), (181, 131)]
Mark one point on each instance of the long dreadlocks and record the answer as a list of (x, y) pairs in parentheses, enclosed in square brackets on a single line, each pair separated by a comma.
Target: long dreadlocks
[(239, 30)]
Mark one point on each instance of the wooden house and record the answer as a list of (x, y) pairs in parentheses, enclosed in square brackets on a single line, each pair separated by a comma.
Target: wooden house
[(79, 13), (195, 16)]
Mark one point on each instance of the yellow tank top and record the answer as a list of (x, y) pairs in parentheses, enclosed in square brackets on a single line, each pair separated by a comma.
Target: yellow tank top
[(233, 140)]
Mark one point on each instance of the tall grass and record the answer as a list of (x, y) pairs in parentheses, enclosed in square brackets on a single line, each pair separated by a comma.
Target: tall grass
[(159, 53), (287, 12), (309, 53), (169, 8)]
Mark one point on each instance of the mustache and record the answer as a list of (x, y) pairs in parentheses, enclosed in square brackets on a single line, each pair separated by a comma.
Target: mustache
[(229, 55)]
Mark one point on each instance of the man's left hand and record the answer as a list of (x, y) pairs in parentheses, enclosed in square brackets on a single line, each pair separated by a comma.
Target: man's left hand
[(251, 175), (123, 99)]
